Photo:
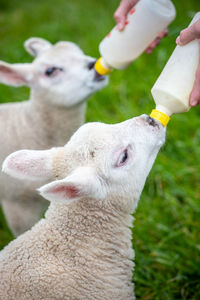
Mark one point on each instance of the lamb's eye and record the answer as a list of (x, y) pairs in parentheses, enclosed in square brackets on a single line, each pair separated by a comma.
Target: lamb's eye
[(52, 71), (123, 158)]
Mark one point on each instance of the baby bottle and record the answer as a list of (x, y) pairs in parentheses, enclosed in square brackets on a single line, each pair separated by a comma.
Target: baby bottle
[(172, 89), (144, 22)]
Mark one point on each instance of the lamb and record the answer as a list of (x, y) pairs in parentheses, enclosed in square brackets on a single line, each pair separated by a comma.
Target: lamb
[(61, 78), (82, 248)]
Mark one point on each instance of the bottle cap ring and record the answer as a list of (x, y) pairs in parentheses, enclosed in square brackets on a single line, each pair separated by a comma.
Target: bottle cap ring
[(100, 68), (160, 116)]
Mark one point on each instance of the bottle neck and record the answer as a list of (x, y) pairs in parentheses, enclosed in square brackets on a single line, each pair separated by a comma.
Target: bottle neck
[(102, 67)]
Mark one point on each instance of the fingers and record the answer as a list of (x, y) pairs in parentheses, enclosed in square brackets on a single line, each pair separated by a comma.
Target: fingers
[(121, 20), (121, 13), (157, 41), (195, 94), (189, 34), (163, 33)]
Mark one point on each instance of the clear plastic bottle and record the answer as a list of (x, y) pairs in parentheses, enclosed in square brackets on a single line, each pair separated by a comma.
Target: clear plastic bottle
[(172, 89), (145, 21)]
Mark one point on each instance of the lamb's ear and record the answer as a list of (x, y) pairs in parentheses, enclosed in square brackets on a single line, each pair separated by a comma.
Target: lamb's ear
[(16, 74), (35, 46), (83, 182), (30, 164)]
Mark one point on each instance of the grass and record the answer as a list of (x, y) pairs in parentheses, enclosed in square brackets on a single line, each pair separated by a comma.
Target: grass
[(166, 233)]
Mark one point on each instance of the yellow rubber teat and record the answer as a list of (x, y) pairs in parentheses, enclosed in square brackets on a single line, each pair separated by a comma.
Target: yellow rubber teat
[(100, 67), (160, 116)]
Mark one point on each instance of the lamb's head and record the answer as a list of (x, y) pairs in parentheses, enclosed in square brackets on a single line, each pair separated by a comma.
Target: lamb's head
[(60, 73), (104, 163)]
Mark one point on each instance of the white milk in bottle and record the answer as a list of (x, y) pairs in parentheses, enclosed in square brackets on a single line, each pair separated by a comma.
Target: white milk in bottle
[(172, 89), (144, 22)]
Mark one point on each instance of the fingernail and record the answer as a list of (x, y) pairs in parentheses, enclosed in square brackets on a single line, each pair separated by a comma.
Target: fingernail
[(194, 103), (120, 26), (178, 40)]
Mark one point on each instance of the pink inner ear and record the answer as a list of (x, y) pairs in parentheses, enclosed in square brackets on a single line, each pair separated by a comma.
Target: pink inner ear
[(10, 76), (66, 191)]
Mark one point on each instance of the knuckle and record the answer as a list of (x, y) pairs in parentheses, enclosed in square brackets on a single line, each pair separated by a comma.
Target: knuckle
[(116, 15)]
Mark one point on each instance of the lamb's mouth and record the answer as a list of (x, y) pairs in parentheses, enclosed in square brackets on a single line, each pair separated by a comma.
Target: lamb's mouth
[(152, 122), (98, 77)]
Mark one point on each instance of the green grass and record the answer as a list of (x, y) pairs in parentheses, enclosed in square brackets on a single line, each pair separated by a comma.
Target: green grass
[(166, 233)]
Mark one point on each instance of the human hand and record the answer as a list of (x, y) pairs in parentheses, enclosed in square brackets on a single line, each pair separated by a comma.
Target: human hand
[(122, 11), (187, 35), (157, 41), (121, 15)]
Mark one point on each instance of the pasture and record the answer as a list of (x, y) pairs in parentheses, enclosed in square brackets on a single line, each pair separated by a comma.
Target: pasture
[(166, 232)]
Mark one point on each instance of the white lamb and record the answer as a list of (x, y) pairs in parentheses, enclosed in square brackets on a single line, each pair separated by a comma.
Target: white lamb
[(82, 249), (61, 78)]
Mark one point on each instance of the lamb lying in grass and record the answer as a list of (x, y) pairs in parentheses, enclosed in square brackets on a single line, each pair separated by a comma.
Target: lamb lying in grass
[(82, 249), (61, 78)]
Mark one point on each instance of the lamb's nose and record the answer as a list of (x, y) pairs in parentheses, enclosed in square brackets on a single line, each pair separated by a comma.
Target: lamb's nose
[(151, 122), (91, 64)]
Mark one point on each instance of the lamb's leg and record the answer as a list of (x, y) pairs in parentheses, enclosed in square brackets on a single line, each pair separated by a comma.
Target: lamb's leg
[(22, 214)]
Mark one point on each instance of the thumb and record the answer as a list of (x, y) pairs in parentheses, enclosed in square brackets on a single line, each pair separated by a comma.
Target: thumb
[(121, 23), (122, 11), (195, 94), (189, 34)]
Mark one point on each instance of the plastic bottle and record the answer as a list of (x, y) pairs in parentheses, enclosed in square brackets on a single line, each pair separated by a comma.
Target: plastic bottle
[(172, 89), (144, 22)]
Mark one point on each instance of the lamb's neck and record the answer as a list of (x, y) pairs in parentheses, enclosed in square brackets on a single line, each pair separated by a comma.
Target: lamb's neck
[(58, 122), (98, 241), (86, 222)]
